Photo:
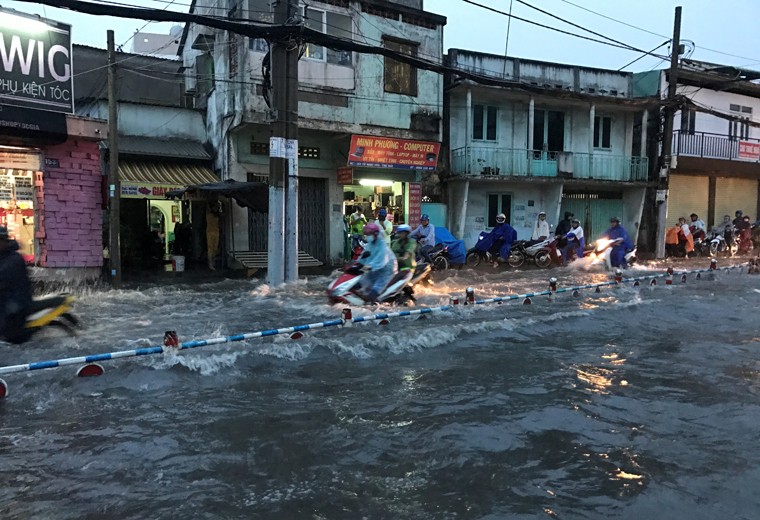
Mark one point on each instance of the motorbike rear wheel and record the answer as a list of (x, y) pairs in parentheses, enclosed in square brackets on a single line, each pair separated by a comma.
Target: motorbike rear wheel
[(543, 259), (440, 263), (473, 259), (516, 258)]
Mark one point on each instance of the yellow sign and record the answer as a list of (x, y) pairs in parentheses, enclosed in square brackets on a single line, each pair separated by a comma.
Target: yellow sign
[(147, 191)]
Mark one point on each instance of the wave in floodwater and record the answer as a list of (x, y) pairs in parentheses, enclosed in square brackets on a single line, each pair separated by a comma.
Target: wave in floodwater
[(626, 403)]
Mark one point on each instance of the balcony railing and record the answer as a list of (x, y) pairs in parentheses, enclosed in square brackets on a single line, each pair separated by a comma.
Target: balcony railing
[(512, 162), (708, 145)]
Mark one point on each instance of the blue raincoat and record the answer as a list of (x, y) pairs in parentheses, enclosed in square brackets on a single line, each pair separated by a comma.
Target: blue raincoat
[(500, 231), (382, 264), (617, 255)]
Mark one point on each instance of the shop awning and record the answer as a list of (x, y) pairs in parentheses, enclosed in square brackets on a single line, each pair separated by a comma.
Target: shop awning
[(251, 195), (165, 173)]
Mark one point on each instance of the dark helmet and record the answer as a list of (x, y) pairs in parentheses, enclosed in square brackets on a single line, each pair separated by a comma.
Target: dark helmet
[(501, 218), (3, 233), (739, 213), (568, 214), (371, 229), (694, 215), (615, 219), (425, 217), (382, 213)]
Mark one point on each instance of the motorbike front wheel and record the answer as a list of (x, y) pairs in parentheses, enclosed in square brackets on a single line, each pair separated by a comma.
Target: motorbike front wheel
[(440, 263), (543, 259), (713, 248), (516, 258), (473, 259)]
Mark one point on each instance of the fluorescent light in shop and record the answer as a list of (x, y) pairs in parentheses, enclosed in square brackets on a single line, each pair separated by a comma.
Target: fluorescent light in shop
[(375, 182)]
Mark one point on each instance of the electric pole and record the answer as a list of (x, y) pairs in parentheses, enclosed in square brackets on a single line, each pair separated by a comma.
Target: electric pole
[(666, 153), (114, 185), (282, 264)]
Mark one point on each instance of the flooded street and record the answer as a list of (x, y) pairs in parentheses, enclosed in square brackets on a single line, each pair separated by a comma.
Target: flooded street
[(631, 403)]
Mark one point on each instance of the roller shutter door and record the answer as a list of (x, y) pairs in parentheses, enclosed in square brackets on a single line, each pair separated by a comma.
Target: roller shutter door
[(732, 194), (686, 195)]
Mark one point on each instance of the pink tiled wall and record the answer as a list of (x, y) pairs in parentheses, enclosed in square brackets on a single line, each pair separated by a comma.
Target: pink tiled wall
[(70, 230)]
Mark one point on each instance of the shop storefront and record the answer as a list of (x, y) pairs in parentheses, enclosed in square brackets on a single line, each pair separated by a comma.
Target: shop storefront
[(384, 172), (18, 212)]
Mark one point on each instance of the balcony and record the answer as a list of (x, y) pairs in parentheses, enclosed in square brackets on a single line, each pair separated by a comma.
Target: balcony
[(500, 162), (715, 146)]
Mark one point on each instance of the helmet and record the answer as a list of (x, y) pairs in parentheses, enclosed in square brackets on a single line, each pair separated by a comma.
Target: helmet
[(382, 212), (739, 213), (569, 214), (404, 228), (615, 219), (542, 213), (425, 217), (3, 233), (501, 218), (371, 229), (694, 215), (576, 221)]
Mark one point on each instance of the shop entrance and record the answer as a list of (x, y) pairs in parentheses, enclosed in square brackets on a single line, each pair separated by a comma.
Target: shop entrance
[(371, 195), (17, 208)]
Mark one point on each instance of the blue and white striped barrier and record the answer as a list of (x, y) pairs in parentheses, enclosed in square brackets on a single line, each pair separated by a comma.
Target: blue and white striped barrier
[(382, 317)]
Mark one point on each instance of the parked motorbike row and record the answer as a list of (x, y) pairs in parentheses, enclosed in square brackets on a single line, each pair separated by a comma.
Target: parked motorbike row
[(716, 244)]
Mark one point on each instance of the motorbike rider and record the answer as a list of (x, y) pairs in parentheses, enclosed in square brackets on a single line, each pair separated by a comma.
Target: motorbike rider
[(697, 227), (739, 217), (499, 241), (404, 248), (575, 242), (563, 228), (541, 228), (744, 230), (385, 225), (377, 261), (618, 233), (425, 236), (15, 291)]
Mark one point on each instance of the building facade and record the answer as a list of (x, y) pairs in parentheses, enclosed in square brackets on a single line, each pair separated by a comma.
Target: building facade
[(555, 138), (715, 165), (341, 94)]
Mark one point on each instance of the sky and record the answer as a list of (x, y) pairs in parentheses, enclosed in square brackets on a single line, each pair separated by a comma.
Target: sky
[(721, 31)]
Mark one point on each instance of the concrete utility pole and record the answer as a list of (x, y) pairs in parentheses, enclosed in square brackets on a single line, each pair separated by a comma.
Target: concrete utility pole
[(667, 138), (114, 185), (282, 265)]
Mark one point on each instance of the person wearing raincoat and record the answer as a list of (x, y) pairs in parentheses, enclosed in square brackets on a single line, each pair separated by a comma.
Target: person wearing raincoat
[(615, 232), (404, 248), (499, 240), (378, 262), (575, 242)]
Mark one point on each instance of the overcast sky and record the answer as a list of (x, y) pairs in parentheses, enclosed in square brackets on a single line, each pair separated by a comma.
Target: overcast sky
[(728, 26)]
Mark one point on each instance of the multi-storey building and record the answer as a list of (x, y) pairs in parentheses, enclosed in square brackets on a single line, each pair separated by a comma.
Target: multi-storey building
[(342, 94), (551, 138), (715, 164)]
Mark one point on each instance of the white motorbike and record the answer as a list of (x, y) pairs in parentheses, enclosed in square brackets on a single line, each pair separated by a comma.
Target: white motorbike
[(602, 253), (718, 244)]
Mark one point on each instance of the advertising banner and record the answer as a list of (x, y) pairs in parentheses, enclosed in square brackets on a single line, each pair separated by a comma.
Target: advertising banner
[(748, 150), (35, 62), (388, 152), (345, 175), (415, 204), (131, 190)]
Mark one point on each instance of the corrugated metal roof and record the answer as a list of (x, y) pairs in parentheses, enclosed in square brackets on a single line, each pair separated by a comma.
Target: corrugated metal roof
[(155, 147), (165, 173)]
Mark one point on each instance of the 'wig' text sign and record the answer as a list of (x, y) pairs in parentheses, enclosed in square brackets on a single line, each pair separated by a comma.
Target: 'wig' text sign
[(35, 62)]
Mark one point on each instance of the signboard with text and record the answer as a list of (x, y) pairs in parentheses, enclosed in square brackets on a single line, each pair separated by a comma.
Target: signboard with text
[(130, 190), (748, 150), (415, 203), (345, 175), (388, 152), (35, 62)]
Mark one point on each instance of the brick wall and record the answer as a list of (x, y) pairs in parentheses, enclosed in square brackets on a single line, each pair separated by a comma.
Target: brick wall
[(70, 206)]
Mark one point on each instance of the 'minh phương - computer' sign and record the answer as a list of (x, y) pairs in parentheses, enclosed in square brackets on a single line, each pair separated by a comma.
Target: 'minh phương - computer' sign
[(35, 62)]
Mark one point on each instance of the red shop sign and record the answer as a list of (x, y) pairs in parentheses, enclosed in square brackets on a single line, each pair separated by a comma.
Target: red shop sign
[(388, 152)]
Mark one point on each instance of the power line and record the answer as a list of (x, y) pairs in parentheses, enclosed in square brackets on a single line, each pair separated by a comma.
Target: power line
[(754, 60), (504, 13)]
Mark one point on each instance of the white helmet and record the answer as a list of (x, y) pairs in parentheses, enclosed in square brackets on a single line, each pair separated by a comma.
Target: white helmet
[(501, 218)]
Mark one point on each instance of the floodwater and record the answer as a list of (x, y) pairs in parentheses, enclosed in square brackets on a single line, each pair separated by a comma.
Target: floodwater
[(631, 403)]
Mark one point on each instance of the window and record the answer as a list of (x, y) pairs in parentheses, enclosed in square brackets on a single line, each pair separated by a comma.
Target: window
[(499, 203), (602, 132), (484, 123), (548, 131), (204, 73), (400, 78), (739, 129), (330, 23), (688, 121)]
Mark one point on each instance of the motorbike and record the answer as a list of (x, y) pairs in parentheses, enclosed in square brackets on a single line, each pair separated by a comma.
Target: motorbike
[(439, 257), (542, 252), (602, 253), (53, 312), (718, 244), (702, 246), (475, 256), (347, 287)]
